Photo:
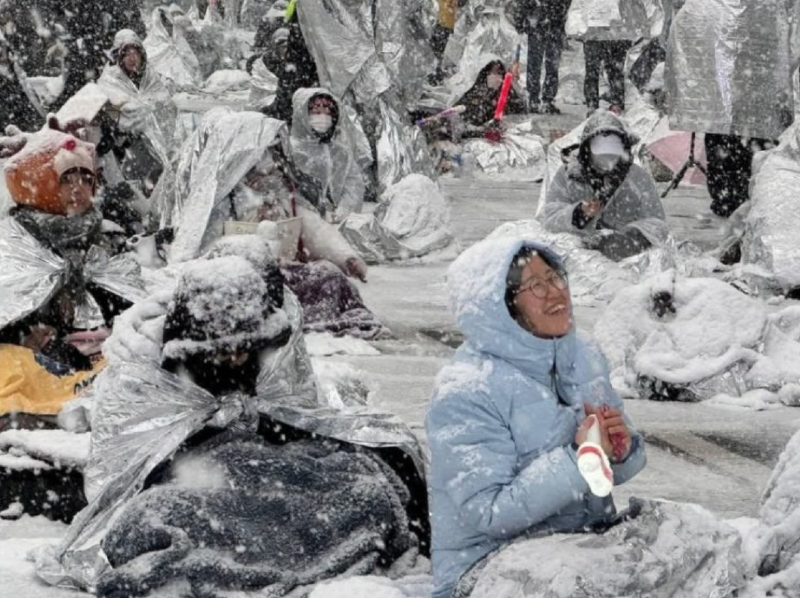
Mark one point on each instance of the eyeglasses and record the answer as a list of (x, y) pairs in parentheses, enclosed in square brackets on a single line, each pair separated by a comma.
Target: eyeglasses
[(77, 178), (539, 286)]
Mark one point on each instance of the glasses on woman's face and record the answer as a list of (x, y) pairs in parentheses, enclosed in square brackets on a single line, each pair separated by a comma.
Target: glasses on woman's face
[(540, 286), (78, 178)]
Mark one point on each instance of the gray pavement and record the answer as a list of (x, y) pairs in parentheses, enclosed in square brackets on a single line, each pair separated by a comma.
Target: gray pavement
[(718, 458)]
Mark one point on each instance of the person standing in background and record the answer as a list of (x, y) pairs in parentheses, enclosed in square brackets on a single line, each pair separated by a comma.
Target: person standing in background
[(543, 21)]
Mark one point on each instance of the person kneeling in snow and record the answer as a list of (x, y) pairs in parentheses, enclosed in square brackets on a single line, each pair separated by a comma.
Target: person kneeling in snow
[(603, 196), (508, 418), (247, 481)]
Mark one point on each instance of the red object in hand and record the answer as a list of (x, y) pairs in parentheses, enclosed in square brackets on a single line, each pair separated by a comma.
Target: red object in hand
[(493, 134), (501, 101)]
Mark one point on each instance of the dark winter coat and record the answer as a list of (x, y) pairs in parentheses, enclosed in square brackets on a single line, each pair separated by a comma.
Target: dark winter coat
[(15, 106), (299, 70), (480, 101), (540, 14)]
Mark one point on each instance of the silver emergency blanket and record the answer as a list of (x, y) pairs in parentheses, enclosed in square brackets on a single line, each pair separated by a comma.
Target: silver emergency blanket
[(770, 251), (144, 414), (374, 63), (669, 550), (410, 221), (170, 54), (678, 338), (482, 33), (728, 67), (780, 511), (519, 156), (212, 162), (32, 274), (263, 87), (157, 114), (615, 19)]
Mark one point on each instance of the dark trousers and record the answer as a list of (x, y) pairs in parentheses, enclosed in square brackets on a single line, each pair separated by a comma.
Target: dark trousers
[(611, 56), (439, 40), (544, 46), (730, 159)]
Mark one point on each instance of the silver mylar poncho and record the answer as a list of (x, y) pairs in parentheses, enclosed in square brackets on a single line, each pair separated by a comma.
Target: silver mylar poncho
[(374, 61), (728, 67), (170, 54), (152, 98), (212, 162), (411, 220), (769, 246), (32, 274), (144, 414)]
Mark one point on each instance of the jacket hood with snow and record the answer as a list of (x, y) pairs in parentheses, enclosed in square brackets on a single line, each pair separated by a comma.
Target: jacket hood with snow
[(501, 421), (330, 164), (125, 38), (629, 191)]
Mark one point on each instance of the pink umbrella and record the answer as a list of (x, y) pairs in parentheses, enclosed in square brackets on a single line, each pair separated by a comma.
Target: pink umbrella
[(671, 148)]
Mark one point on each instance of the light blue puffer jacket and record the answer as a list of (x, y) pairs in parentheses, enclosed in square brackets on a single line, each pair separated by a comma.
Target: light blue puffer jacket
[(501, 423)]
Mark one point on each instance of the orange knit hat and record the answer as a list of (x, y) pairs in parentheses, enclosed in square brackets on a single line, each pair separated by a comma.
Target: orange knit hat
[(32, 175)]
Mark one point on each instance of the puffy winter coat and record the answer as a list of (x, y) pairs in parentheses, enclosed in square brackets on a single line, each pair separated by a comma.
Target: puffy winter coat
[(634, 204), (329, 164), (501, 423)]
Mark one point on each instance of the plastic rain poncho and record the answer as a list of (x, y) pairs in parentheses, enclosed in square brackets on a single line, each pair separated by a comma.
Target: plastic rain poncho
[(728, 67), (330, 165), (151, 108), (216, 157), (170, 53)]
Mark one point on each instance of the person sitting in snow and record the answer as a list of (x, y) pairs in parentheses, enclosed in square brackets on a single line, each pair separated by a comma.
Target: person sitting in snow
[(323, 164), (602, 196), (53, 180), (508, 415), (279, 504), (477, 120), (147, 115), (481, 99)]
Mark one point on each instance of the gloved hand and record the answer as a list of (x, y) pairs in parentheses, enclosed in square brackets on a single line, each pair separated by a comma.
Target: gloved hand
[(493, 133), (356, 268), (618, 245), (132, 117)]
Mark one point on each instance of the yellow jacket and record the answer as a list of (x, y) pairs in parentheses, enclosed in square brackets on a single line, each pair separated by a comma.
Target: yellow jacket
[(447, 13), (26, 386)]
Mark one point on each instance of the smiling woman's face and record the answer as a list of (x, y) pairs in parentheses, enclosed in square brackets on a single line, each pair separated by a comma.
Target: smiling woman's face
[(548, 316)]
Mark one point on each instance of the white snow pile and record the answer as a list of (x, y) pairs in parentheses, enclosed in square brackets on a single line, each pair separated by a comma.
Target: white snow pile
[(27, 449), (411, 220), (227, 80), (700, 338)]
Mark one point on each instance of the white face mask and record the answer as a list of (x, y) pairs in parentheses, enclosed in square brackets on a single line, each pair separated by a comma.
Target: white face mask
[(494, 81), (321, 123), (605, 162)]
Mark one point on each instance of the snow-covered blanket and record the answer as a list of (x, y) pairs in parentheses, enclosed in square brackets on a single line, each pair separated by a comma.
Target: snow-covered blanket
[(671, 337), (669, 550), (331, 303), (411, 220), (258, 519)]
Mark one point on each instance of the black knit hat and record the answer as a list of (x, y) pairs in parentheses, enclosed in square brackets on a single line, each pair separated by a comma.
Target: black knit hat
[(221, 306)]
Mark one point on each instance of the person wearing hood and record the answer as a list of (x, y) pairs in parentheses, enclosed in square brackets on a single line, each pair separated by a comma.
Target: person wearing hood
[(603, 197), (323, 165), (481, 99), (507, 415), (90, 25), (230, 388), (53, 185), (147, 114)]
